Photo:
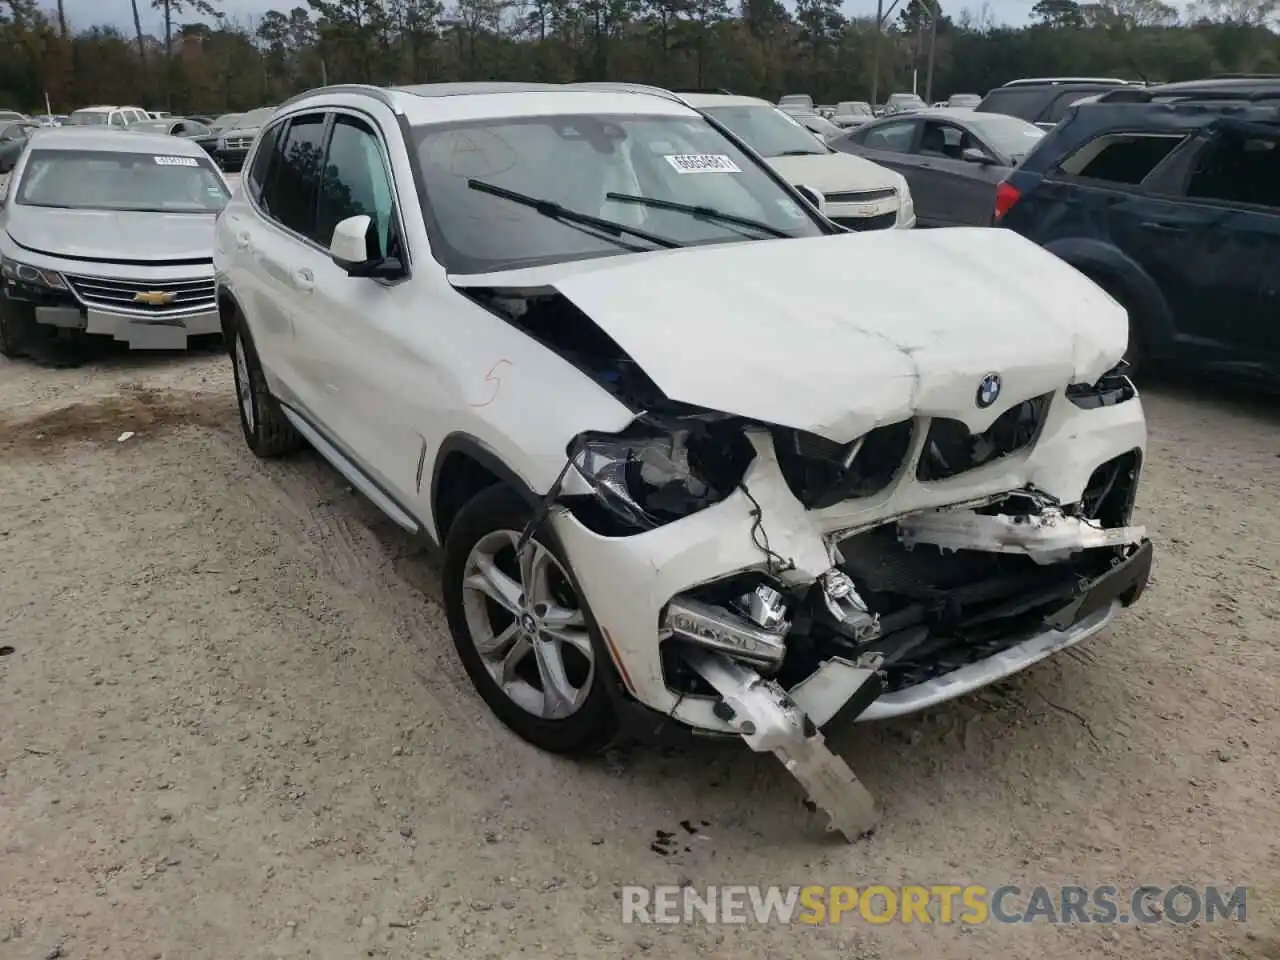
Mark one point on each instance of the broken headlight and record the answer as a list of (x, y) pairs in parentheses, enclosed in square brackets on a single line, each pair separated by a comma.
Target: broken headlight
[(1112, 387), (647, 481)]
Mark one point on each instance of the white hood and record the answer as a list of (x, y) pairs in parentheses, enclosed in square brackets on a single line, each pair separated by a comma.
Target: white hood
[(759, 329), (834, 172)]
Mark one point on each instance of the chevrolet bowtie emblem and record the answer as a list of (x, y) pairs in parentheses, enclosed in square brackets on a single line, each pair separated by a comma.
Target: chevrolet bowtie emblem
[(154, 298)]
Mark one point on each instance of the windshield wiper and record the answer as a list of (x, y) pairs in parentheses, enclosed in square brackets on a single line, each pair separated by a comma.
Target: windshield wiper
[(557, 212), (799, 153), (702, 213)]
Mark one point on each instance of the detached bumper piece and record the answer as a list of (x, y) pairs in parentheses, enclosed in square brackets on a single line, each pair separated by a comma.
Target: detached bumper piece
[(1046, 537), (770, 721)]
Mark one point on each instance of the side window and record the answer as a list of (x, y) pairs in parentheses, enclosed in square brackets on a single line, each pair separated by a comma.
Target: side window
[(1237, 169), (1126, 158), (895, 137), (942, 140), (116, 119), (290, 197), (255, 175), (355, 182)]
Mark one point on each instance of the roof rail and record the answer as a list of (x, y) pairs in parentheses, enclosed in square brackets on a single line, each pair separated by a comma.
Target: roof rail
[(1048, 81), (717, 90), (618, 86), (1245, 76), (378, 93), (1204, 95)]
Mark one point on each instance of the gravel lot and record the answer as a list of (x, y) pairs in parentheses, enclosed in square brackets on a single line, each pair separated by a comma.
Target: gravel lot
[(232, 725)]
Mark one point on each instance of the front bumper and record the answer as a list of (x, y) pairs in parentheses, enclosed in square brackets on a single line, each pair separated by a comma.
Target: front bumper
[(139, 332), (628, 581)]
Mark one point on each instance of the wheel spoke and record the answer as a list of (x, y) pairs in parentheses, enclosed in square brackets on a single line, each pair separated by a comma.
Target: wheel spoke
[(535, 563), (519, 650), (495, 584), (558, 695), (567, 626), (498, 646)]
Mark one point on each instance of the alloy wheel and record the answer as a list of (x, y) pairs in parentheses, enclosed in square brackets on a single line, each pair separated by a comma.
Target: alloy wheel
[(244, 386), (524, 618)]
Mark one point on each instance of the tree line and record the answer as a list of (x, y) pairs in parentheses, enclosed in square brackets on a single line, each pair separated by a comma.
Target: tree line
[(759, 47)]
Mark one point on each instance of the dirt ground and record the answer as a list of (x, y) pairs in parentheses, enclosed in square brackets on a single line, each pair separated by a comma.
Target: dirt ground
[(232, 725)]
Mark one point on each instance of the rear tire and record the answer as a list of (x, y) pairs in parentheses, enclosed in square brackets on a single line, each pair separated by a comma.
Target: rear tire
[(15, 329), (267, 430)]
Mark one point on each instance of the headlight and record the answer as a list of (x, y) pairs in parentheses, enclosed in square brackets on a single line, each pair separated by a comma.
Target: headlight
[(648, 481), (15, 272), (907, 211)]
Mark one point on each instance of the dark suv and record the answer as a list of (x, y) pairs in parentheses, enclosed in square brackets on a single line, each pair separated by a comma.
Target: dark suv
[(1045, 101), (1173, 206)]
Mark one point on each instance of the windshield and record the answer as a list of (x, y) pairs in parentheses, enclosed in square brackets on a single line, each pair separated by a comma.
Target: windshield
[(854, 108), (226, 120), (151, 126), (819, 124), (87, 118), (574, 161), (766, 130), (964, 100), (109, 180), (1011, 136)]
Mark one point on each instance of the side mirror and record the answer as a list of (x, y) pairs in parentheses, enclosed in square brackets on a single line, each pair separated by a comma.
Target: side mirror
[(356, 250), (974, 155), (349, 246), (815, 198)]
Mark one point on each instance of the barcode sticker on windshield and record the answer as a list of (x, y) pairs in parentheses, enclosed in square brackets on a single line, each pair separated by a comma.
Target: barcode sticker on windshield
[(177, 161), (702, 163)]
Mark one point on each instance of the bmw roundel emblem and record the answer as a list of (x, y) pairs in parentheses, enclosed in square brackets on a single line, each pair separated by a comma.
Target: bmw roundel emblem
[(988, 390)]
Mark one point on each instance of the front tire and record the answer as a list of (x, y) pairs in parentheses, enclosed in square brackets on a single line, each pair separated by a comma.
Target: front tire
[(527, 640), (267, 431)]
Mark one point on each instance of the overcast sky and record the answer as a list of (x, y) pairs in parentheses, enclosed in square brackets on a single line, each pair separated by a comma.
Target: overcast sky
[(84, 13)]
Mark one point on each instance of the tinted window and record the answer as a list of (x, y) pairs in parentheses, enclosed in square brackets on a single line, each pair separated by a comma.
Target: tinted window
[(117, 119), (895, 137), (1237, 169), (354, 183), (255, 175), (290, 197), (1125, 158), (1025, 103)]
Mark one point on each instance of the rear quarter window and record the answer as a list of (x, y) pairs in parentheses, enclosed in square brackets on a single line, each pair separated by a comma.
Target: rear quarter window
[(1120, 158)]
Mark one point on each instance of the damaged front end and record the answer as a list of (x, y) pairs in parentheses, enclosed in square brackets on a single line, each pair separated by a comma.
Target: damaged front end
[(793, 610), (762, 580)]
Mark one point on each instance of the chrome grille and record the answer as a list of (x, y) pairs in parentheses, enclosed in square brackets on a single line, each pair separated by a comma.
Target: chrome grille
[(239, 143), (882, 222), (189, 295), (860, 196)]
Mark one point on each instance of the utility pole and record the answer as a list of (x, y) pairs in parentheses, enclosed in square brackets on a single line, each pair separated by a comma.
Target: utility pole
[(168, 56), (933, 43), (875, 55)]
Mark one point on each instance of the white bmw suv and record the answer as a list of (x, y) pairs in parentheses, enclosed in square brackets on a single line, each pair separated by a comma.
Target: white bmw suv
[(579, 338)]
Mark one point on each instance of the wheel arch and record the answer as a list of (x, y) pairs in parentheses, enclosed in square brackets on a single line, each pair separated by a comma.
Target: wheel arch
[(228, 310), (464, 466), (1122, 276)]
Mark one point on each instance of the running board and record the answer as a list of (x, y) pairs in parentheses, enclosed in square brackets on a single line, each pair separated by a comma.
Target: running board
[(771, 722), (353, 474)]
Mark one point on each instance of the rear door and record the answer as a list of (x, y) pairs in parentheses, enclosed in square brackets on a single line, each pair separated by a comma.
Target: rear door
[(956, 192), (1224, 212)]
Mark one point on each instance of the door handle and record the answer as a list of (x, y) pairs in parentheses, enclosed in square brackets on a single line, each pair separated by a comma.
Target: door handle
[(304, 279), (926, 164), (1163, 227)]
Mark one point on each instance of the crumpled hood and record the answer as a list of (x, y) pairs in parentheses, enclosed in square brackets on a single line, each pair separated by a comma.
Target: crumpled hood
[(766, 329), (832, 172), (112, 235)]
